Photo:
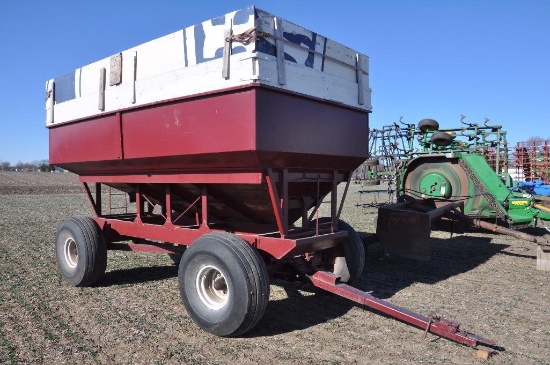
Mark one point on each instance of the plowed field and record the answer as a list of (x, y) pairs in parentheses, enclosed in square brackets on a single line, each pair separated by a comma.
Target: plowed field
[(486, 282)]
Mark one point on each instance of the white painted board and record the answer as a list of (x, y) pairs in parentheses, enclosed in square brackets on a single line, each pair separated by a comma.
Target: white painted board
[(190, 61)]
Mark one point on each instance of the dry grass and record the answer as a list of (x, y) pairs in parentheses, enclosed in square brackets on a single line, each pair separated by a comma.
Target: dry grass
[(486, 282)]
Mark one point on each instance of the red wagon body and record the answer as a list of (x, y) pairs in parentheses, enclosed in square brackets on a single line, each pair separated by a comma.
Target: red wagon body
[(258, 159)]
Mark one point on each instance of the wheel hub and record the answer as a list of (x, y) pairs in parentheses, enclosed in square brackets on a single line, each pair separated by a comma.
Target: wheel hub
[(71, 253), (435, 185), (212, 287)]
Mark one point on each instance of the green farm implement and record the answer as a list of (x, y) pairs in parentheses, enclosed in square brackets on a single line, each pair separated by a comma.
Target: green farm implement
[(456, 178)]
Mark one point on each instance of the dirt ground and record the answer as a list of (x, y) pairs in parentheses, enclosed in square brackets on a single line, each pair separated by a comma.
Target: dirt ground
[(486, 282)]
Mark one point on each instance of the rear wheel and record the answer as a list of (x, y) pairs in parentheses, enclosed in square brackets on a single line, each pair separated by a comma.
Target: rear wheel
[(224, 284), (442, 139), (347, 260), (81, 251)]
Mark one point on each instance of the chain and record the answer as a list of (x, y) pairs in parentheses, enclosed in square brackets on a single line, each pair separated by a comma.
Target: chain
[(519, 226), (490, 197), (248, 36)]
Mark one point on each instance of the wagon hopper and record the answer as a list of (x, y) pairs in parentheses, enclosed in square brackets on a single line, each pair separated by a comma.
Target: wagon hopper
[(226, 136)]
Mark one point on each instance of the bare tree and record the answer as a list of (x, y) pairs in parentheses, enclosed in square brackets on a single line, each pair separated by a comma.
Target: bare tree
[(25, 166), (41, 165), (5, 165), (44, 166)]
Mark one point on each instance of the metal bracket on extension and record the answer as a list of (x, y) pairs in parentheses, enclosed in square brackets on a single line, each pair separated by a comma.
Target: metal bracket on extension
[(102, 77), (49, 101), (227, 51), (134, 74), (279, 45), (361, 92)]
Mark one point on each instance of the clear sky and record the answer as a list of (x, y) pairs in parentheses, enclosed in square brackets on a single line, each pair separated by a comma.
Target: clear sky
[(428, 58)]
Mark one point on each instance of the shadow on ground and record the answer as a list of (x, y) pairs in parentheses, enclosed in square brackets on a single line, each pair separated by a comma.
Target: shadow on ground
[(138, 275), (305, 307), (384, 276)]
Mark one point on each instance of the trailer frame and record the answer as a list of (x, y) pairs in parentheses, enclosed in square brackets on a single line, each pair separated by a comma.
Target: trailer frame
[(277, 241)]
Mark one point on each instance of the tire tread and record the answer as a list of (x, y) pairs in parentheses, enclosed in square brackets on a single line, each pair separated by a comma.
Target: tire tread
[(94, 245), (252, 267)]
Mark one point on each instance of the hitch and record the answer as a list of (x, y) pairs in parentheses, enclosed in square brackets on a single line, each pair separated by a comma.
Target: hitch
[(433, 323)]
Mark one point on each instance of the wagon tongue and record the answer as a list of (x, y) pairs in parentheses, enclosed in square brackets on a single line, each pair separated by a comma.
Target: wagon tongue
[(433, 323)]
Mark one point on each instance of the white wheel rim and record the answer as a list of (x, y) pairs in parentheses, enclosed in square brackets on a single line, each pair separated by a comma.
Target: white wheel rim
[(212, 287), (71, 253)]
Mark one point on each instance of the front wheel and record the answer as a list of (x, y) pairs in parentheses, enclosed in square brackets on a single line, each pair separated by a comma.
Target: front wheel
[(224, 284), (81, 251)]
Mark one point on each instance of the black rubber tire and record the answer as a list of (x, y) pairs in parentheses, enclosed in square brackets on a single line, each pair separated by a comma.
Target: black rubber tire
[(81, 251), (242, 305), (428, 125), (348, 256), (442, 139)]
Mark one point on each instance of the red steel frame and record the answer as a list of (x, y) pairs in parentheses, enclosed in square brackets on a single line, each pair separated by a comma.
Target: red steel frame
[(278, 241)]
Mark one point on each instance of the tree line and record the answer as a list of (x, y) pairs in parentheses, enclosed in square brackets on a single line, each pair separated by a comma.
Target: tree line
[(42, 165)]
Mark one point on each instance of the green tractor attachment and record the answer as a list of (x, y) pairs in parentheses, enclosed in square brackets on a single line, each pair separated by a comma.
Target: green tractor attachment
[(450, 180)]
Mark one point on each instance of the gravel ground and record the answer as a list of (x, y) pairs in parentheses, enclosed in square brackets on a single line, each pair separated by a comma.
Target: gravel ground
[(486, 282)]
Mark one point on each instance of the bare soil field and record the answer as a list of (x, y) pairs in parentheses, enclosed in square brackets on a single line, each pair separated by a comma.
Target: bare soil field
[(19, 183), (486, 282)]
